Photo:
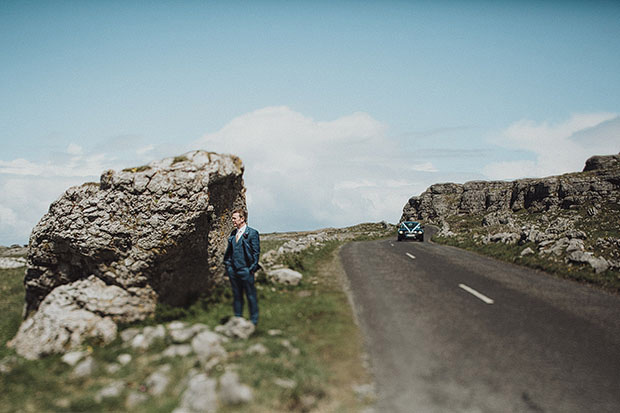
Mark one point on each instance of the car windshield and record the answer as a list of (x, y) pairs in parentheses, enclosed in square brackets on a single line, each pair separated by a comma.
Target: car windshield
[(410, 224)]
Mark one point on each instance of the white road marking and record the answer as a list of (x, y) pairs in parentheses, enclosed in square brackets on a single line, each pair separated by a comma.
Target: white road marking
[(410, 256), (477, 294)]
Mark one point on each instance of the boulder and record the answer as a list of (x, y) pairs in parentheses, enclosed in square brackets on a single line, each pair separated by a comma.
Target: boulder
[(200, 395), (232, 391), (155, 233), (64, 318), (237, 327), (602, 162), (527, 251), (285, 276), (598, 264), (112, 390)]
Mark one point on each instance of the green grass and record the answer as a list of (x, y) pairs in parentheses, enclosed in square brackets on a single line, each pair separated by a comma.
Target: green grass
[(12, 297), (608, 280), (314, 316)]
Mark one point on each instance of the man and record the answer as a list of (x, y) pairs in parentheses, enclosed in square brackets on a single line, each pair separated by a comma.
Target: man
[(241, 260)]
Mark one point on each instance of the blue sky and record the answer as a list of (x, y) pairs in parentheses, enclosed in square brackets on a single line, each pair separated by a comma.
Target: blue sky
[(374, 101)]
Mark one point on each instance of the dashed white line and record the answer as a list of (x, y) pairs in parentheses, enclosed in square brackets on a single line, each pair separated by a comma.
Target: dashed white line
[(410, 256), (477, 294)]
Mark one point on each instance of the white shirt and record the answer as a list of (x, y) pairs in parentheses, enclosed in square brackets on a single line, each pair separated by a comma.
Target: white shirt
[(240, 231)]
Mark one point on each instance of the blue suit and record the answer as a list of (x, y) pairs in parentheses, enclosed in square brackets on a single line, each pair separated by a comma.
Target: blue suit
[(241, 260)]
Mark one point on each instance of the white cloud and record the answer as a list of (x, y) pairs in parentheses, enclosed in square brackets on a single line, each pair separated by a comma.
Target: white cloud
[(27, 188), (80, 165), (145, 149), (300, 173), (556, 148), (303, 173), (24, 200), (74, 149)]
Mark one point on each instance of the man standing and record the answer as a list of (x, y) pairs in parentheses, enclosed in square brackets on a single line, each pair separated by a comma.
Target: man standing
[(241, 260)]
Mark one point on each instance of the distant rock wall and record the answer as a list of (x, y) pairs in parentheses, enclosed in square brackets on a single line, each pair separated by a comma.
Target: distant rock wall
[(572, 218), (600, 182), (155, 233)]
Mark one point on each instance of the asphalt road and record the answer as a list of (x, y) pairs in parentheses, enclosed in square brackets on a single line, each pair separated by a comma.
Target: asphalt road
[(451, 331)]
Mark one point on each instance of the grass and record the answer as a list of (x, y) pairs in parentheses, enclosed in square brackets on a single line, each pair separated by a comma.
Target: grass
[(608, 280), (12, 296), (314, 316)]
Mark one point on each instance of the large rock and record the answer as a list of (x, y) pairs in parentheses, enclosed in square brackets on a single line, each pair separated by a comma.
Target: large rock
[(155, 233)]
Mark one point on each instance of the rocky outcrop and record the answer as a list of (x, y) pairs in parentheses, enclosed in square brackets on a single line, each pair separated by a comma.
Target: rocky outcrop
[(108, 252), (553, 213), (600, 182)]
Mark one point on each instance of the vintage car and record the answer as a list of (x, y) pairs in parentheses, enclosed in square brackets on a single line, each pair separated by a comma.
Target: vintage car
[(410, 230)]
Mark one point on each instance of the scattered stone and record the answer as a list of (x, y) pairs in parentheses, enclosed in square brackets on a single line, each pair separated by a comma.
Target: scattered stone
[(285, 276), (287, 344), (232, 391), (236, 327), (285, 383), (147, 337), (178, 350), (308, 402), (113, 368), (200, 396), (258, 349), (85, 368), (129, 334), (208, 347), (158, 381), (505, 237), (527, 251), (7, 364), (274, 332), (599, 264), (62, 403), (134, 399), (9, 263), (110, 391), (182, 333), (124, 359), (574, 245), (73, 357), (592, 211)]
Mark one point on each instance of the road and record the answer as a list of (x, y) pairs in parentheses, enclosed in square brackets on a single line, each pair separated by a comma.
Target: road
[(452, 331)]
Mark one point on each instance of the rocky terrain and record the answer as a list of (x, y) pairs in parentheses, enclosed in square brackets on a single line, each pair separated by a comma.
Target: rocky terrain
[(203, 363), (13, 256), (108, 252), (571, 221)]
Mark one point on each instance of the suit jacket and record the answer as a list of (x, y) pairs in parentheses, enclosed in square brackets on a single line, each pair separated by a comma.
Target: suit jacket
[(250, 242)]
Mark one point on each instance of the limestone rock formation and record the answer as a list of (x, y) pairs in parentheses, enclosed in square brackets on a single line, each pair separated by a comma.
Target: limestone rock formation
[(552, 212), (600, 183), (155, 233)]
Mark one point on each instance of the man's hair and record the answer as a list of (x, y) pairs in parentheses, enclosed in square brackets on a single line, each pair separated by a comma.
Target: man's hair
[(241, 212)]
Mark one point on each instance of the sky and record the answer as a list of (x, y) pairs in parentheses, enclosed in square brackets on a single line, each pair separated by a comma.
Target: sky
[(340, 110)]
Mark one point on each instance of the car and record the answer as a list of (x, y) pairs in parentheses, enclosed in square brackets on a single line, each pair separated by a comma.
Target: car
[(410, 230)]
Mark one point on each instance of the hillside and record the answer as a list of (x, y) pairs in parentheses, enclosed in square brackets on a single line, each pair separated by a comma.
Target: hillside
[(568, 224)]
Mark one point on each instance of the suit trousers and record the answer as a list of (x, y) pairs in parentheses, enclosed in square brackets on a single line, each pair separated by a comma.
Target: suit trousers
[(242, 281)]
